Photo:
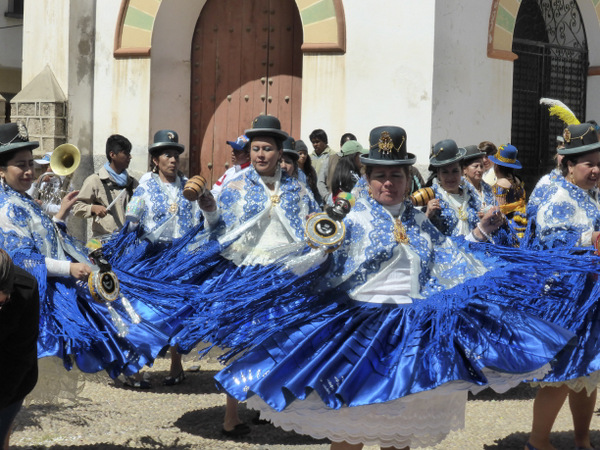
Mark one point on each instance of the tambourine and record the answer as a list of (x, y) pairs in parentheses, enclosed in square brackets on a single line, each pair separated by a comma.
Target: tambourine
[(422, 196), (104, 286), (194, 188), (322, 231)]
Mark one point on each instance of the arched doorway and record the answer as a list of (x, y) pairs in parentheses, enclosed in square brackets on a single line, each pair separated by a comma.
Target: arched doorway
[(550, 42), (246, 60)]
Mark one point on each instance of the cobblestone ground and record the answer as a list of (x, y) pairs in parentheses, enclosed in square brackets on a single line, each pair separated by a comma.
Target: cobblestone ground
[(189, 416)]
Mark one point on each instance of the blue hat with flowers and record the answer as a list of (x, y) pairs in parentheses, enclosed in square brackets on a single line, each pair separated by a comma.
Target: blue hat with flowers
[(506, 156)]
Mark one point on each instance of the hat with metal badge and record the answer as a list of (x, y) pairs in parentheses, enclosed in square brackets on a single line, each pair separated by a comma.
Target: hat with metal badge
[(240, 143), (579, 139), (14, 136), (289, 148), (387, 147), (163, 140), (473, 152), (446, 152), (268, 126), (506, 156)]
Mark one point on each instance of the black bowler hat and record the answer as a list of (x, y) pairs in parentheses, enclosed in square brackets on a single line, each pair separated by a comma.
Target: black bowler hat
[(446, 152), (387, 147), (163, 140), (268, 126), (473, 152), (580, 138), (289, 148), (14, 136)]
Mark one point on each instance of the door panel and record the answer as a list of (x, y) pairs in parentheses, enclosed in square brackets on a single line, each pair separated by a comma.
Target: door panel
[(285, 66), (236, 52)]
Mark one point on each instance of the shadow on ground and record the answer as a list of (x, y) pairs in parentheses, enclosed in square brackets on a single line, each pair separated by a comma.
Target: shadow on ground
[(521, 392), (562, 440), (207, 423), (146, 443), (201, 382)]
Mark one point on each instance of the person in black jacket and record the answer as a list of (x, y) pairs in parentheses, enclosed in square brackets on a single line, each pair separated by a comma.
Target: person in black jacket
[(19, 325)]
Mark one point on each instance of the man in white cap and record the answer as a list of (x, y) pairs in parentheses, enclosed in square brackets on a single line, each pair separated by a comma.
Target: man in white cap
[(47, 184), (240, 158)]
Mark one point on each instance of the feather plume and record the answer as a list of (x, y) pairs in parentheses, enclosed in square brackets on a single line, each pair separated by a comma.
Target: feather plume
[(560, 110)]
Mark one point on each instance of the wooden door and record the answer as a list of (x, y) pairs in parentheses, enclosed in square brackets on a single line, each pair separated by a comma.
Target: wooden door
[(246, 61)]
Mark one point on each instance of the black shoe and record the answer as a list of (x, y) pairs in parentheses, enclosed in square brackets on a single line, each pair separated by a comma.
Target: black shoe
[(137, 384), (172, 381), (241, 429)]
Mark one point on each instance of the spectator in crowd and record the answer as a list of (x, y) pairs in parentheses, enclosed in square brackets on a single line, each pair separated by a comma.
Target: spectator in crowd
[(487, 147), (46, 184), (320, 159), (306, 168), (104, 196), (19, 325), (348, 170), (240, 158), (289, 159)]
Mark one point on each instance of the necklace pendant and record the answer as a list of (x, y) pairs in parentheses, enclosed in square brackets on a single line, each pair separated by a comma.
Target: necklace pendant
[(400, 232), (173, 208), (462, 215), (274, 199)]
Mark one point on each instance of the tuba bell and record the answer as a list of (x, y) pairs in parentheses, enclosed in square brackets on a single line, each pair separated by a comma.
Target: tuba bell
[(64, 162)]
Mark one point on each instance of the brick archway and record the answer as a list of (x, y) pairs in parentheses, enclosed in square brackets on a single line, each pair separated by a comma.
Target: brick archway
[(323, 23), (502, 26)]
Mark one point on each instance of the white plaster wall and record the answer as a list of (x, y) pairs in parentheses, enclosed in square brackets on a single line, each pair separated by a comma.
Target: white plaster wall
[(11, 39), (472, 94), (385, 77), (121, 93), (171, 70), (45, 43), (592, 31)]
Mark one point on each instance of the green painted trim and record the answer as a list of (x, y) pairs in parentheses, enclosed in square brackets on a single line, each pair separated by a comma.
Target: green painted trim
[(505, 20), (318, 12), (596, 2), (138, 19)]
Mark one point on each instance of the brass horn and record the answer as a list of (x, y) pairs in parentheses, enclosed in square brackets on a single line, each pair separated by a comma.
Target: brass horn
[(64, 162), (65, 159)]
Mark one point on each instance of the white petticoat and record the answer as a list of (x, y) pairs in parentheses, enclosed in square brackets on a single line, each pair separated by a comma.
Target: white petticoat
[(57, 385), (589, 383), (419, 420)]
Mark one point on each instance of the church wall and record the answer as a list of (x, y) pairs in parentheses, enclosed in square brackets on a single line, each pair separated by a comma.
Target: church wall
[(592, 30), (121, 93), (472, 93), (11, 32), (385, 77)]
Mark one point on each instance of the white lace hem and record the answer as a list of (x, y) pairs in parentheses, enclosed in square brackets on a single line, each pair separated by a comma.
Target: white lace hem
[(418, 420), (57, 385), (589, 383)]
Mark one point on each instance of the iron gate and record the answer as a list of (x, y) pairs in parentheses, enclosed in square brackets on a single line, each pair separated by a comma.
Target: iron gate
[(552, 62)]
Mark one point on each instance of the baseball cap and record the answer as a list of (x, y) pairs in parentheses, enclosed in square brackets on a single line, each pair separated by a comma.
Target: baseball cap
[(44, 160), (239, 144)]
